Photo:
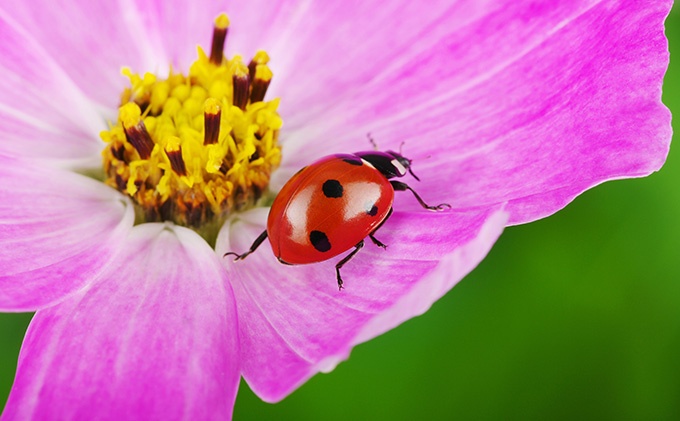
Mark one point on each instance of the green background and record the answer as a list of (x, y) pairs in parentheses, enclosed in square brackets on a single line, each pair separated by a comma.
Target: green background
[(574, 316)]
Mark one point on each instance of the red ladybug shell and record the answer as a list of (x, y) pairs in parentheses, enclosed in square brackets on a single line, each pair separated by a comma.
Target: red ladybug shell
[(327, 208)]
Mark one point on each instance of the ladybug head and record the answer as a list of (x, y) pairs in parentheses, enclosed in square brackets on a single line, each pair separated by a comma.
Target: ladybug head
[(391, 164), (403, 164)]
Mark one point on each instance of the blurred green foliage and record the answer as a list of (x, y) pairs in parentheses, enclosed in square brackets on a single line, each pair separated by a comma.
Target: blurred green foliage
[(573, 317)]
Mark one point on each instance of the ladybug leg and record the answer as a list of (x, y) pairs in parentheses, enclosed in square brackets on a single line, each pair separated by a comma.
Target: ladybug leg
[(254, 247), (376, 241), (399, 186), (347, 258), (371, 235)]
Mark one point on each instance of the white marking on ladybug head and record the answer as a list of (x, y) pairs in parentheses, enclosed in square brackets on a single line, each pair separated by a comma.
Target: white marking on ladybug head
[(398, 165)]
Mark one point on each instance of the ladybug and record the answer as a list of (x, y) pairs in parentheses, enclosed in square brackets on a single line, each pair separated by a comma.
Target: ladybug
[(332, 205)]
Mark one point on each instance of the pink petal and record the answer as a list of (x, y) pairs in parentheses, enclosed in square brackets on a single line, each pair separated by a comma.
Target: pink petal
[(154, 337), (90, 41), (529, 103), (341, 48), (179, 26), (42, 112), (58, 230), (294, 322), (68, 146)]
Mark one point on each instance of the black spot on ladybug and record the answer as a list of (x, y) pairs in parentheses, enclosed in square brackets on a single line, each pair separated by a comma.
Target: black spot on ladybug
[(319, 240), (353, 161), (332, 188), (373, 211)]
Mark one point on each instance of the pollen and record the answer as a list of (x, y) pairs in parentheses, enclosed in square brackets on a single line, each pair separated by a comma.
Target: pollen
[(192, 148)]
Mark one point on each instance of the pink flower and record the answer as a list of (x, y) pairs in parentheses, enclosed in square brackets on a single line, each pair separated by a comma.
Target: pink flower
[(508, 109)]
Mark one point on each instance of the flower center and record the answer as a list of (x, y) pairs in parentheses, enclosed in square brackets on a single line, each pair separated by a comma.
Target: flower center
[(192, 148)]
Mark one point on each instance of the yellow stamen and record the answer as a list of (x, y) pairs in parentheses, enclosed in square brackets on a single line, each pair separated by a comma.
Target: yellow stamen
[(261, 57), (173, 150), (263, 76), (211, 118), (193, 148), (219, 38), (222, 21), (241, 85), (135, 129)]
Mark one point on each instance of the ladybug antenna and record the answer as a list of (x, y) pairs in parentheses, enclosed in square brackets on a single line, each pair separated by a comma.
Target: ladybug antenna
[(401, 146), (370, 139)]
